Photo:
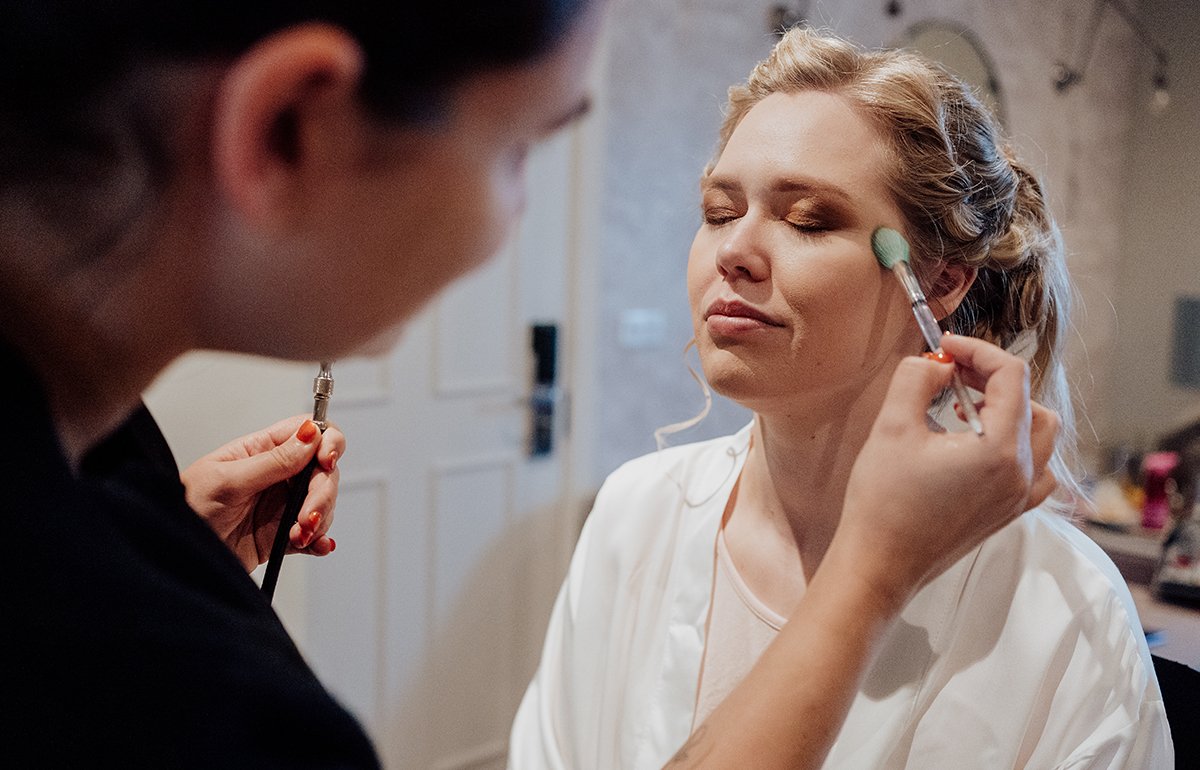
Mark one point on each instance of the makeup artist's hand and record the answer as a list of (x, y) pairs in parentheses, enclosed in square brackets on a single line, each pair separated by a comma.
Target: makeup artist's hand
[(918, 500), (240, 489)]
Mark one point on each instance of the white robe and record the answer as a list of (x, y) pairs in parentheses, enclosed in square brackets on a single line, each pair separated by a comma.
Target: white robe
[(1026, 653)]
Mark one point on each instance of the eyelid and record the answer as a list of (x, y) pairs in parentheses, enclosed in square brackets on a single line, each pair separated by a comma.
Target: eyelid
[(716, 206), (718, 215), (817, 213)]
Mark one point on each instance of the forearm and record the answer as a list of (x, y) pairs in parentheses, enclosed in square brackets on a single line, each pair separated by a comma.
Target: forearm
[(788, 710)]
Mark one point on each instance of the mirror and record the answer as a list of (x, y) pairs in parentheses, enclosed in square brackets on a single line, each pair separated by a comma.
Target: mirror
[(957, 48)]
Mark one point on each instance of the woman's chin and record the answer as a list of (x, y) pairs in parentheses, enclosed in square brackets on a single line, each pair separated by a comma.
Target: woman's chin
[(735, 379)]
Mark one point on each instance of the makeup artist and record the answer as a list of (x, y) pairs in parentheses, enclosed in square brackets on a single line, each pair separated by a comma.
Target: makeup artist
[(294, 180)]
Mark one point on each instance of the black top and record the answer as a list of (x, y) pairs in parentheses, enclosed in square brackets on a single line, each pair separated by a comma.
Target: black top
[(130, 636)]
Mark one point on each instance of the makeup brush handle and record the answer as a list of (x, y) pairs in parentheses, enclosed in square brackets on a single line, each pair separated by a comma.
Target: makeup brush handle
[(968, 404), (930, 331), (291, 510)]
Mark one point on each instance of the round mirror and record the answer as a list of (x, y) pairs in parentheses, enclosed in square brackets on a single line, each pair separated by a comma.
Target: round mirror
[(957, 49)]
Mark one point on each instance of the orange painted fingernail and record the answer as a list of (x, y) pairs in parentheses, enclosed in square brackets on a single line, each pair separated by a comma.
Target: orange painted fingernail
[(332, 545), (307, 431), (941, 356), (314, 519)]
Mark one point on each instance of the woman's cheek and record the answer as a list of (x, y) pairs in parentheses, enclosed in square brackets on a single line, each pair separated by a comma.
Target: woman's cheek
[(701, 271)]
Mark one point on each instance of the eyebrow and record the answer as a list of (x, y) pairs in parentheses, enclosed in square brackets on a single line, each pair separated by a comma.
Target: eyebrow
[(576, 112), (809, 186)]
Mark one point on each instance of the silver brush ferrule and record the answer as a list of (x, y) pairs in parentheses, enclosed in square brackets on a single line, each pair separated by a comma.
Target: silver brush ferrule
[(322, 390)]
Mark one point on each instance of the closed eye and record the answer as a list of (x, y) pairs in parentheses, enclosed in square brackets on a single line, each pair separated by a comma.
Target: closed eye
[(718, 217), (809, 227)]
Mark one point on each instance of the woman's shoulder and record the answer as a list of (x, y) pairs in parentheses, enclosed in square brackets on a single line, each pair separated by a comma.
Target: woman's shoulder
[(1050, 580), (1051, 544), (675, 489), (684, 475), (1036, 624)]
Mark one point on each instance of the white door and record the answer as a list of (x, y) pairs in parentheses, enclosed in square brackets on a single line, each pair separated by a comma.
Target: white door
[(451, 541)]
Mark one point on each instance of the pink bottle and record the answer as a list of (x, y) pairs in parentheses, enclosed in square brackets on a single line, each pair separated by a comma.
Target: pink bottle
[(1156, 469)]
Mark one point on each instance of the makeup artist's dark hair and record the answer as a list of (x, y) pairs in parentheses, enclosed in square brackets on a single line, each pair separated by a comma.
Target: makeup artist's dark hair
[(965, 197), (55, 52), (75, 101)]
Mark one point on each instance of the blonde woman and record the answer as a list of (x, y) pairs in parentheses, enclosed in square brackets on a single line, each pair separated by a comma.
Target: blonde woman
[(1027, 652)]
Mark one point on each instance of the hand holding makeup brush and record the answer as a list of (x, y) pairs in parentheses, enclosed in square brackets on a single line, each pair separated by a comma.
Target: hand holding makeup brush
[(240, 488), (965, 486)]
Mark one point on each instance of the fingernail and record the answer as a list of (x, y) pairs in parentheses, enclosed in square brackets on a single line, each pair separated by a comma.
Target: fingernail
[(941, 356), (314, 519), (333, 461), (307, 431), (332, 545)]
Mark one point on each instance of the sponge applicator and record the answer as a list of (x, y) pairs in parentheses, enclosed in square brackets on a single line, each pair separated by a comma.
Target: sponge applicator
[(892, 252)]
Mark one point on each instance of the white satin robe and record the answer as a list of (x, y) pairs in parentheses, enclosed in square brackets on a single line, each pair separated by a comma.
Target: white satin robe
[(1027, 653)]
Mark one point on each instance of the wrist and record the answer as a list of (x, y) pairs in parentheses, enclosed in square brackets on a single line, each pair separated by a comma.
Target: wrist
[(871, 584)]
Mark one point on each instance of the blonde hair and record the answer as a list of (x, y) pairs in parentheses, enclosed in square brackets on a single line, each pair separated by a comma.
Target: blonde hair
[(965, 198)]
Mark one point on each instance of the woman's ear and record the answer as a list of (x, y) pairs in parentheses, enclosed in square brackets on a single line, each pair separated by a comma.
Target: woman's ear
[(280, 114), (952, 283)]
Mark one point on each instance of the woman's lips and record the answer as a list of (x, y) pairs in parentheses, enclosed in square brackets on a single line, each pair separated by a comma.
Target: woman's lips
[(729, 317)]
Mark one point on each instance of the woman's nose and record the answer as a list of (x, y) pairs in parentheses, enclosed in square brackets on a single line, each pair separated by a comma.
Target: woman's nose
[(742, 251)]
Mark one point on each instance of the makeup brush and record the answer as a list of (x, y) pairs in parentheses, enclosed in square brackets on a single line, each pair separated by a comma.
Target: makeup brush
[(322, 390), (892, 252)]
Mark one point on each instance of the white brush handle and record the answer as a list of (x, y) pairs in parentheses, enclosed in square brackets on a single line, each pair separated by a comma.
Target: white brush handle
[(933, 338)]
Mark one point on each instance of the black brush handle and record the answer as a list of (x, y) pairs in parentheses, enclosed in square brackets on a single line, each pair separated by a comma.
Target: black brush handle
[(295, 499)]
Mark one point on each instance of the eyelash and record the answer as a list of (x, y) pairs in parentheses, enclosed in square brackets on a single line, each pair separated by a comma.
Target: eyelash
[(809, 228)]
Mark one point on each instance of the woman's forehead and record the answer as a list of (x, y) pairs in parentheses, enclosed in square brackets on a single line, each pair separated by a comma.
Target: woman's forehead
[(811, 128), (805, 139)]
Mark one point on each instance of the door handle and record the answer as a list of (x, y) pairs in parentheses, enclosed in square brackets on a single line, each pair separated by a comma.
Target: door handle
[(546, 395)]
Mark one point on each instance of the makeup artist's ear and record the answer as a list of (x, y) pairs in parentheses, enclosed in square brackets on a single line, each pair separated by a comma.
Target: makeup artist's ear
[(952, 284), (282, 107)]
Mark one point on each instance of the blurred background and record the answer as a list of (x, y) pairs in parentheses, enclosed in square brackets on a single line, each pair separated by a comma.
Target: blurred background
[(474, 453)]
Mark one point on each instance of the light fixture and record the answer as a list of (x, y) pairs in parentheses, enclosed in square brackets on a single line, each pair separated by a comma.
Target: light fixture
[(781, 18), (1066, 76)]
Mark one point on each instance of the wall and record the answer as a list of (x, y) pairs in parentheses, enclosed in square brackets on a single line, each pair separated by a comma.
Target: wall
[(1160, 253), (671, 64)]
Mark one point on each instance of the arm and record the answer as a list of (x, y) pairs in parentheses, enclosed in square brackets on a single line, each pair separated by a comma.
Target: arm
[(240, 488), (789, 709), (917, 501)]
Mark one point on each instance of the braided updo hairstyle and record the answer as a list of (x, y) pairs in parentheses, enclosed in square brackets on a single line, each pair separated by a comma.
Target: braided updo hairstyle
[(965, 199)]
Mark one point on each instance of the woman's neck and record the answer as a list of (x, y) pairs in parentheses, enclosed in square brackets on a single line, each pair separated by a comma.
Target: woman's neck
[(789, 497)]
